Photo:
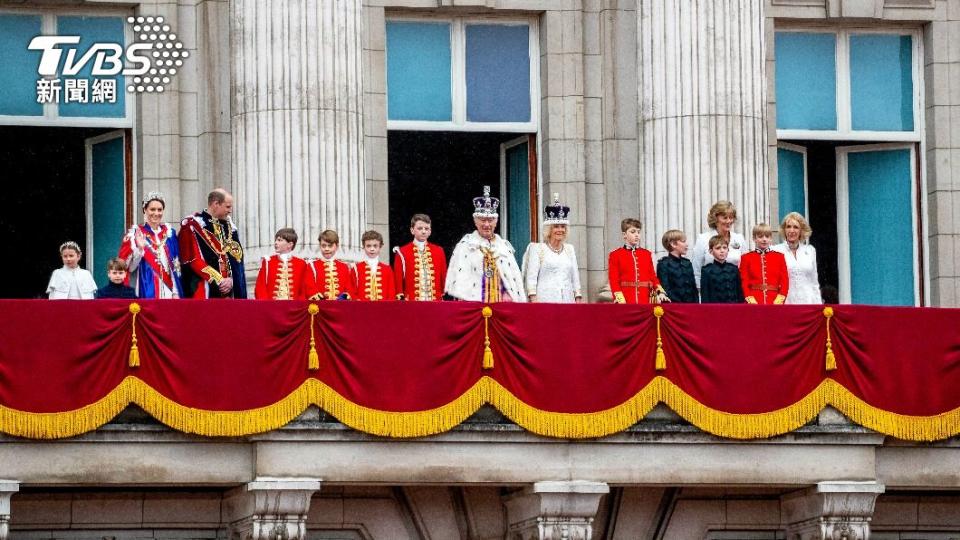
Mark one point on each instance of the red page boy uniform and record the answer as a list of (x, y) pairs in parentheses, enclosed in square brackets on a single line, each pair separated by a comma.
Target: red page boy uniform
[(375, 281), (763, 273), (632, 277), (420, 271), (284, 277), (333, 279)]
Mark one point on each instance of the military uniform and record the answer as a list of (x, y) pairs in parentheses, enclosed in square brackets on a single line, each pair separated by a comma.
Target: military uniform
[(210, 252), (764, 277)]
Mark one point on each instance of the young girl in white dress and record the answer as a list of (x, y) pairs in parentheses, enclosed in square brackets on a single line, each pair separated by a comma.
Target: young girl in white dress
[(71, 282)]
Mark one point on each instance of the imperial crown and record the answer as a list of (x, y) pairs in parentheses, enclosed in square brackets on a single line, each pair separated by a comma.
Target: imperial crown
[(556, 214), (486, 206)]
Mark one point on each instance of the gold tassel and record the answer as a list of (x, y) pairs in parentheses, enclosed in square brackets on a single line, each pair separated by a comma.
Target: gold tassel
[(487, 351), (831, 359), (661, 362), (134, 351), (313, 359)]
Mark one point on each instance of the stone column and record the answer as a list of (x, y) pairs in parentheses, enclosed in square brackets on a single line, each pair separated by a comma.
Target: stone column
[(270, 509), (831, 511), (703, 118), (554, 510), (7, 489), (297, 121)]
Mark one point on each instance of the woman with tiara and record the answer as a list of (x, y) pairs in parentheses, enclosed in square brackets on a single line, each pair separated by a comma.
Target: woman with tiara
[(550, 271), (152, 253)]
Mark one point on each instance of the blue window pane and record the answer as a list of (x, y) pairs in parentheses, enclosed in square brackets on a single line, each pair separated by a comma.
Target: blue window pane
[(881, 82), (93, 30), (18, 65), (418, 71), (790, 184), (806, 80), (880, 213), (498, 73)]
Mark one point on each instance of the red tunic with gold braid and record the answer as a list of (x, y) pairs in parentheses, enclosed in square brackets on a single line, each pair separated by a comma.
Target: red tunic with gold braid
[(764, 276), (420, 274), (332, 278), (632, 277), (284, 278), (375, 284)]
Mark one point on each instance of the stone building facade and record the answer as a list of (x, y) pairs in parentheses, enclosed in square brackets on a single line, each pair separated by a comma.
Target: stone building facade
[(649, 108)]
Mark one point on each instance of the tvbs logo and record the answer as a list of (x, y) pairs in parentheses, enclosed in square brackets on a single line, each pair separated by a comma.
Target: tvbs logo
[(150, 60)]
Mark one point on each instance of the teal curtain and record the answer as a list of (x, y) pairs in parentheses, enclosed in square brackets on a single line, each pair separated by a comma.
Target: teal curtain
[(881, 227), (518, 197), (791, 189), (108, 205)]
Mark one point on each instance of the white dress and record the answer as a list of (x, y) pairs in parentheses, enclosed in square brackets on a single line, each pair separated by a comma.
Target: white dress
[(465, 277), (71, 284), (701, 251), (804, 282), (553, 277)]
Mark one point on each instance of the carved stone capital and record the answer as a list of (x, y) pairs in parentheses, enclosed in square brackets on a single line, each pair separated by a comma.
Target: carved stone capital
[(270, 508), (7, 489), (831, 511), (554, 510)]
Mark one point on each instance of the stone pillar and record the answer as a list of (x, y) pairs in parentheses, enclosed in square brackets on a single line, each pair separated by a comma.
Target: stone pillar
[(703, 125), (7, 489), (297, 121), (554, 510), (831, 511), (269, 509)]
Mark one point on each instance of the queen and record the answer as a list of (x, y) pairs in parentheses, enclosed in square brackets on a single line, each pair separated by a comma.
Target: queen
[(550, 268), (152, 253)]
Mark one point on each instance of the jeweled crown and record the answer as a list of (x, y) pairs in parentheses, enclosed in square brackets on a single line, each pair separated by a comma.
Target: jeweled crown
[(556, 213), (486, 206)]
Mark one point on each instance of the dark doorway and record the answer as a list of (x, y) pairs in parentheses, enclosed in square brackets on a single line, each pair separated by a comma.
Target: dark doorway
[(439, 174), (43, 203)]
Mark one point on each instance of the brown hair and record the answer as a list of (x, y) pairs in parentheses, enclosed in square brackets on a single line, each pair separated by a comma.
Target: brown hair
[(116, 263), (419, 217), (288, 234), (329, 236), (371, 235), (717, 240), (720, 208), (671, 236), (216, 196), (630, 222), (762, 229)]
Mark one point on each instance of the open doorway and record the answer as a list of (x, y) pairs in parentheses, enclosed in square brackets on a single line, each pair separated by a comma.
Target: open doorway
[(61, 184), (439, 174), (862, 201)]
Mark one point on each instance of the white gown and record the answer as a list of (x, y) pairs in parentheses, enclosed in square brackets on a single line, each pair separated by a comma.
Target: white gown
[(804, 282), (71, 284), (553, 277)]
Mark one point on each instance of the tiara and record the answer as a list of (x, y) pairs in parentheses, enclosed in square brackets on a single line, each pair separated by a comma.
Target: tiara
[(486, 206), (153, 196), (556, 214)]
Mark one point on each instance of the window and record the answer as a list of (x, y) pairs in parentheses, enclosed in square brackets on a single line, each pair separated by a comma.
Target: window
[(462, 74), (19, 103), (845, 84)]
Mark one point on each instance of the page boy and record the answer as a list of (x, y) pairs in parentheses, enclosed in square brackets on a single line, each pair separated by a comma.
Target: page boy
[(282, 275), (720, 280), (630, 269), (419, 268), (375, 282), (675, 271), (334, 280), (763, 272)]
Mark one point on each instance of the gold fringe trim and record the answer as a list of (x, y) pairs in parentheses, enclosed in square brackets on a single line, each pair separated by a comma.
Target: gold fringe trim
[(486, 390), (487, 351), (134, 360), (660, 363), (831, 360), (313, 359)]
